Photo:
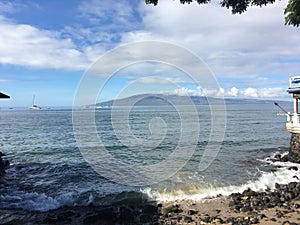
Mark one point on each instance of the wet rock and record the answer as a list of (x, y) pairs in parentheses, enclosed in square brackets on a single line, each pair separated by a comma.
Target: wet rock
[(288, 223), (237, 208), (246, 209), (254, 220), (192, 212), (284, 158), (249, 192), (279, 214), (188, 219), (145, 218), (277, 186), (4, 164), (169, 209), (206, 219), (297, 206), (230, 220), (218, 221), (103, 216), (149, 209), (261, 216), (50, 219), (293, 168)]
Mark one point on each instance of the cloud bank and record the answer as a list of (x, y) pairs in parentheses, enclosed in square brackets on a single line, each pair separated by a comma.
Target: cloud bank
[(233, 92), (252, 54)]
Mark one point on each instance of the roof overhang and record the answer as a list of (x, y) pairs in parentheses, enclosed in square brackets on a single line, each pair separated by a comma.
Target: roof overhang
[(3, 95)]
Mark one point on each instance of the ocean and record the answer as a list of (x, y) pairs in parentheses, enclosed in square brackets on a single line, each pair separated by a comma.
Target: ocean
[(49, 169)]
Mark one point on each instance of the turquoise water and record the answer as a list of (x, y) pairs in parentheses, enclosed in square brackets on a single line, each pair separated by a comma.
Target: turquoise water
[(48, 170)]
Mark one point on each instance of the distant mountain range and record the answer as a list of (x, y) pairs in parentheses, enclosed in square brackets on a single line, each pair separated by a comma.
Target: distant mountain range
[(165, 100)]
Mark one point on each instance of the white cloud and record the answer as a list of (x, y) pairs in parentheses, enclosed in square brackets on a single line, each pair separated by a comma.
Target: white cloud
[(6, 7), (249, 92), (9, 7), (272, 93), (213, 93), (198, 92), (233, 92), (5, 80), (179, 92), (247, 45), (26, 45), (154, 80), (109, 16)]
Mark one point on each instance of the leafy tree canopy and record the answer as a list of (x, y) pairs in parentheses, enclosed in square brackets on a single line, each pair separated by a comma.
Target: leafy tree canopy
[(292, 10)]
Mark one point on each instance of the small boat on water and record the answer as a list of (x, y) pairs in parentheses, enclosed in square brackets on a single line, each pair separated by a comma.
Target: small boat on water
[(34, 106)]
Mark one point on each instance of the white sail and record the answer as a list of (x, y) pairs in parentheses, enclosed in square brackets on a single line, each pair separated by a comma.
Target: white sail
[(34, 106)]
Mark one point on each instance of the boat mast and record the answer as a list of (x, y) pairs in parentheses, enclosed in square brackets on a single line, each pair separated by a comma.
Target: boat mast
[(33, 98)]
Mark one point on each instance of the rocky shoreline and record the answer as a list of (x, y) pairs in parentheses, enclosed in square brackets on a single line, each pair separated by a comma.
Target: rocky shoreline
[(143, 213), (278, 206)]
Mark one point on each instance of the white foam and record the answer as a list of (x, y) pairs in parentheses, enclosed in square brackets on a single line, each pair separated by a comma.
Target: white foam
[(267, 180), (34, 201), (273, 156)]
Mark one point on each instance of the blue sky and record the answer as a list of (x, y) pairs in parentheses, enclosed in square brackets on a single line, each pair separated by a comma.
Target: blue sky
[(47, 46)]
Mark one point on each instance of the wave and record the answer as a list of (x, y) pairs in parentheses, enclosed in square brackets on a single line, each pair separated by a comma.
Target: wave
[(101, 192), (46, 186), (285, 173), (34, 201)]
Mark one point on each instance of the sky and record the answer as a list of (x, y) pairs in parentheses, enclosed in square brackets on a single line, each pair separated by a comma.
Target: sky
[(48, 47)]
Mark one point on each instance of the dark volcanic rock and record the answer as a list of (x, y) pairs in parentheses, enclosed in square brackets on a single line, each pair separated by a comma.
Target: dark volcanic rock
[(192, 212), (293, 168), (188, 219), (170, 209), (253, 202), (127, 215), (83, 215), (4, 164)]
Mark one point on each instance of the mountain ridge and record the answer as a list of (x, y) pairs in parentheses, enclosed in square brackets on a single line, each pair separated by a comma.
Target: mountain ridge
[(165, 100)]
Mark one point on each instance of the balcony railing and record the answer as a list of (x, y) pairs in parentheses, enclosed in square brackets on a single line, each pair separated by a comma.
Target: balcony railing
[(293, 123)]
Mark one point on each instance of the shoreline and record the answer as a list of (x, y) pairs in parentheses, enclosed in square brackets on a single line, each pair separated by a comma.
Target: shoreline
[(278, 206), (270, 207)]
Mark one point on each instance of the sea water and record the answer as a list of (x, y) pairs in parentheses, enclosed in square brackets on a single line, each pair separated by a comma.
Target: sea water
[(48, 169)]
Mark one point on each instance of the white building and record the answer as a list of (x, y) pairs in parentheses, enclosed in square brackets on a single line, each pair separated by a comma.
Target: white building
[(293, 122)]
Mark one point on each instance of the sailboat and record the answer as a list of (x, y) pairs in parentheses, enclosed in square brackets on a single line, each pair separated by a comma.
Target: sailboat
[(34, 106)]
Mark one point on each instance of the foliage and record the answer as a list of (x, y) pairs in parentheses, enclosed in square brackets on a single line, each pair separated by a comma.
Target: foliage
[(292, 11)]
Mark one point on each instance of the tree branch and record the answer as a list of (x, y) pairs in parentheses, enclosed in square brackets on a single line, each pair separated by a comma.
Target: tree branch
[(291, 12)]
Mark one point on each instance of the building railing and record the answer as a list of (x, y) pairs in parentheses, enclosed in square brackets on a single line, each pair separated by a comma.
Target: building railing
[(292, 118), (293, 122)]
